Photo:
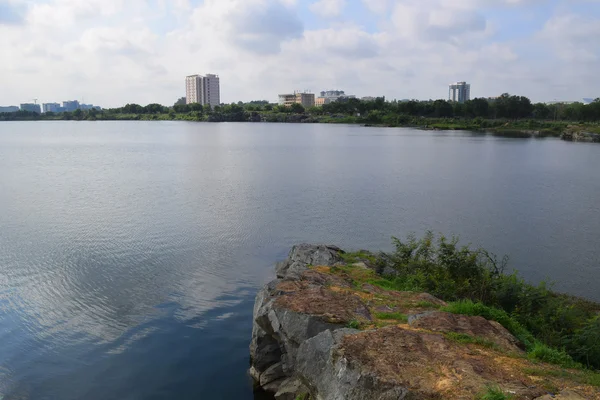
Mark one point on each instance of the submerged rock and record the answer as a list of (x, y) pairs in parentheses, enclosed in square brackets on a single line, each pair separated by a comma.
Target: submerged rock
[(305, 343)]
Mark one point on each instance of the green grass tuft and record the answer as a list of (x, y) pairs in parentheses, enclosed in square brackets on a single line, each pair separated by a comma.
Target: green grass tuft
[(427, 304), (494, 393), (468, 339), (358, 256), (392, 315), (354, 324)]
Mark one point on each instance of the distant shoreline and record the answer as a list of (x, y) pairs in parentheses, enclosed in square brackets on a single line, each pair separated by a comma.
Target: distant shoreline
[(569, 131)]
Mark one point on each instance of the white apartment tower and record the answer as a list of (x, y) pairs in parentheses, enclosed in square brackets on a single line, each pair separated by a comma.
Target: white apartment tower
[(459, 92), (203, 89)]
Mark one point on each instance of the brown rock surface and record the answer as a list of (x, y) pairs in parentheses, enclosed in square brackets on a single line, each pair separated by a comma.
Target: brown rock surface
[(301, 344), (468, 325)]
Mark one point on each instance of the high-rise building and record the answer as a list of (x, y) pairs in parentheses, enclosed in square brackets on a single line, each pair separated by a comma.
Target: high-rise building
[(71, 105), (193, 89), (459, 92), (31, 107), (212, 87), (203, 89), (51, 107)]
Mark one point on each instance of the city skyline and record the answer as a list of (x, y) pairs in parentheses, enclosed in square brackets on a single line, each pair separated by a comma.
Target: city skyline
[(118, 52)]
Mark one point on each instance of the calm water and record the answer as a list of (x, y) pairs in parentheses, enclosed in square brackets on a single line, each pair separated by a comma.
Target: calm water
[(130, 252)]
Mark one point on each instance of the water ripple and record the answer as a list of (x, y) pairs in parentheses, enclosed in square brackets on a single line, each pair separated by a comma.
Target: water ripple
[(130, 253)]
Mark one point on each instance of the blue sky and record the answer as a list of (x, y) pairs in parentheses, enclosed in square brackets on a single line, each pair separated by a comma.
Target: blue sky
[(111, 52)]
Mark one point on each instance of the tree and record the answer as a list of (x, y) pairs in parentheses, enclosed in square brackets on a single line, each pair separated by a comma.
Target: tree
[(478, 107), (195, 107), (133, 109), (154, 108), (181, 101), (181, 108), (315, 110), (442, 108), (541, 111), (297, 108)]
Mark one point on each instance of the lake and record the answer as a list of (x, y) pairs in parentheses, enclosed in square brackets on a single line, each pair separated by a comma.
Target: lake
[(131, 252)]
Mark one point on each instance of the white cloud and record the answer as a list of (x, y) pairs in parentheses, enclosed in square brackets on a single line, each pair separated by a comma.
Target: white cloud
[(573, 37), (441, 23), (377, 6), (114, 51), (328, 8)]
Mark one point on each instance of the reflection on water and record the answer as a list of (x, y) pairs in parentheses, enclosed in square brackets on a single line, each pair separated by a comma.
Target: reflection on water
[(130, 252)]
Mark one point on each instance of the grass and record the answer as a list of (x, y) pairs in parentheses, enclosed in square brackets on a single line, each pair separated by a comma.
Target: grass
[(398, 284), (494, 393), (468, 339), (354, 324), (550, 355), (427, 304), (358, 256), (468, 307), (392, 315), (536, 350)]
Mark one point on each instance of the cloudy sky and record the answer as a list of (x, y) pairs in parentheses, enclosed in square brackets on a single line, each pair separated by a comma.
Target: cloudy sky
[(112, 52)]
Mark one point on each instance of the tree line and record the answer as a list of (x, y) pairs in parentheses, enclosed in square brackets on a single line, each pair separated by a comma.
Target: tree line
[(504, 107)]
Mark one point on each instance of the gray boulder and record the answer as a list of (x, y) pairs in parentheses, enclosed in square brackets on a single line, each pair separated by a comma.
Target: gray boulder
[(332, 377), (277, 332), (303, 255)]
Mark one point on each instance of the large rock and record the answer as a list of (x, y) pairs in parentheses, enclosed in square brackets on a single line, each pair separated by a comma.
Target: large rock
[(303, 255), (399, 363), (476, 327), (282, 318), (406, 349), (331, 376)]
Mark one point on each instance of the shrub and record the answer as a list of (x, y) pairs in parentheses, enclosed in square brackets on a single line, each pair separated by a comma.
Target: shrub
[(474, 282), (553, 356), (584, 344)]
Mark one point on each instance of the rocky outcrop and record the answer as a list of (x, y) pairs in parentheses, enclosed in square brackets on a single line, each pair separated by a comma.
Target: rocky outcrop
[(573, 134), (283, 320), (327, 329)]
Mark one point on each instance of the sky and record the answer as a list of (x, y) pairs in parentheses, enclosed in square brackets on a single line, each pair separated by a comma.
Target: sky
[(114, 52)]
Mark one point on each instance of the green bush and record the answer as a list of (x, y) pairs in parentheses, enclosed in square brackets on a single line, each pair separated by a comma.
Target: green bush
[(547, 354), (474, 282), (584, 344)]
